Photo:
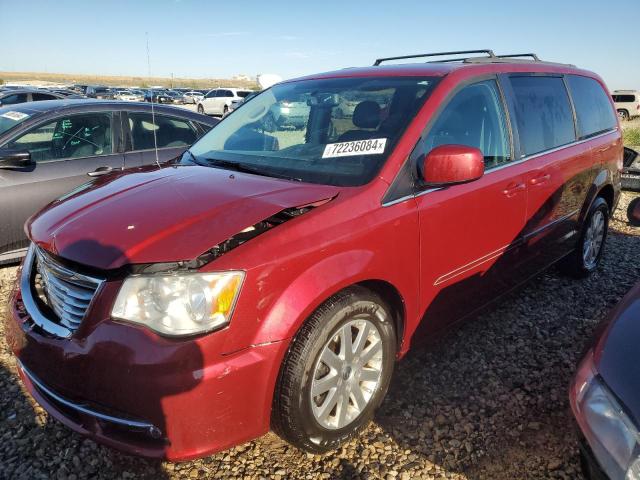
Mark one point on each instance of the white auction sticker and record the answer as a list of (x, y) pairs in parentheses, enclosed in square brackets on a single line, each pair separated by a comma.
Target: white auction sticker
[(373, 146), (17, 116)]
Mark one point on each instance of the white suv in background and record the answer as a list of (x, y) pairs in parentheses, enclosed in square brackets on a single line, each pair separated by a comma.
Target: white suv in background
[(627, 103), (218, 100)]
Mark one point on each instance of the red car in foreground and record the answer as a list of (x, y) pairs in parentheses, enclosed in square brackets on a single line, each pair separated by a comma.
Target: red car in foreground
[(271, 277)]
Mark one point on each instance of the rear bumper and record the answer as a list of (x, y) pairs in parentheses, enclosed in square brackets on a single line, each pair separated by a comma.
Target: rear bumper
[(134, 391)]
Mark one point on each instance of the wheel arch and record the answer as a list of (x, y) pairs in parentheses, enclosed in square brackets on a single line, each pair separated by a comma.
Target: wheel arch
[(392, 297), (602, 186), (313, 287)]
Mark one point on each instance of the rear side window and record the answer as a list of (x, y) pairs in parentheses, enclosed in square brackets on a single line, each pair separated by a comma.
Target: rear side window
[(475, 118), (624, 98), (169, 131), (593, 107), (543, 113), (14, 98)]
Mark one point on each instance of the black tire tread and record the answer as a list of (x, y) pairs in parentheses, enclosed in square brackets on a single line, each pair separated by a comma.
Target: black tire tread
[(285, 392)]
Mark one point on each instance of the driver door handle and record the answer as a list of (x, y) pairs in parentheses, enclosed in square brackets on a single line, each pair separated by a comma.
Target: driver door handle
[(100, 171), (513, 188), (540, 179)]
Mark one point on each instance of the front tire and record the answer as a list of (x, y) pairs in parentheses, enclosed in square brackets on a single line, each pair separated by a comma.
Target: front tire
[(624, 115), (336, 372), (586, 257)]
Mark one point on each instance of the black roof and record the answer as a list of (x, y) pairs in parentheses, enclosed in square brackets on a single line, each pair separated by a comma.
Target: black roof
[(11, 91)]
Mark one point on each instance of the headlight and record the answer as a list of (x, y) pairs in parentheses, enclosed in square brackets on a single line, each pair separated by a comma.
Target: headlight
[(612, 436), (179, 304)]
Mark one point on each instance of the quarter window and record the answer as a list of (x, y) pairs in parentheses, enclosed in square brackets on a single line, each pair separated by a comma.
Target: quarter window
[(69, 137), (474, 117), (543, 113), (169, 132), (13, 99), (624, 98), (593, 107)]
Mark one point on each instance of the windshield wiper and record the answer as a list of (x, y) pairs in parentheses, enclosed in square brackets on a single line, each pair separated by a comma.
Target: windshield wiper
[(243, 167)]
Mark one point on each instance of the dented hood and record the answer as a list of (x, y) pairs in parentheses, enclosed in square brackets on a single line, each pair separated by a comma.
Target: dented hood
[(162, 215)]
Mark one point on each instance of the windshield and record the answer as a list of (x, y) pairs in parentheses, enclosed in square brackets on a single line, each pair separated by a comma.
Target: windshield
[(335, 131), (243, 93), (11, 117)]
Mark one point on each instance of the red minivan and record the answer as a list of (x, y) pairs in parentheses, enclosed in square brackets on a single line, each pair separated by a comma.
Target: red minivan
[(271, 277)]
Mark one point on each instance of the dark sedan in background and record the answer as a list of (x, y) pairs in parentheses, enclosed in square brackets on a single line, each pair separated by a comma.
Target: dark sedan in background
[(23, 95), (605, 394), (49, 148)]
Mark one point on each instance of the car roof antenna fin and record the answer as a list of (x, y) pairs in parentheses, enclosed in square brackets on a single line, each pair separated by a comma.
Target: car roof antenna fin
[(153, 113)]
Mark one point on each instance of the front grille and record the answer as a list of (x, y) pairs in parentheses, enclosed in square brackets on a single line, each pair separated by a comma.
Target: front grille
[(67, 293)]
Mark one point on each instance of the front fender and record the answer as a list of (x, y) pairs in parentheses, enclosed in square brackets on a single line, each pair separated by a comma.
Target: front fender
[(310, 289)]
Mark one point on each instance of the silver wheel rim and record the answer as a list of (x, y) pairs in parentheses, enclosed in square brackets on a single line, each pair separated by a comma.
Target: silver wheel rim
[(347, 374), (593, 239)]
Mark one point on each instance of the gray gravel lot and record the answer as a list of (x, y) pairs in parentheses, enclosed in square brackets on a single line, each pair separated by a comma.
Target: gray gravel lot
[(489, 401)]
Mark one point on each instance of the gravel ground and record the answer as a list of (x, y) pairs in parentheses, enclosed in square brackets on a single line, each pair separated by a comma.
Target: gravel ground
[(489, 401)]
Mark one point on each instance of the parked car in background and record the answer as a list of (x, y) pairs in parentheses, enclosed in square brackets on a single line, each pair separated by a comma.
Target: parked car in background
[(627, 103), (48, 148), (236, 103), (99, 92), (192, 96), (272, 278), (605, 393), (130, 95), (175, 97), (80, 88), (218, 101), (66, 93), (157, 96), (22, 95), (293, 114), (631, 170)]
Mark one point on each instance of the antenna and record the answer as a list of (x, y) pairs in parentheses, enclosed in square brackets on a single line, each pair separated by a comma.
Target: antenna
[(153, 113)]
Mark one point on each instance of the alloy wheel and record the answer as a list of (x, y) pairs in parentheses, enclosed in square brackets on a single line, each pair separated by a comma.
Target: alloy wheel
[(593, 239), (347, 374)]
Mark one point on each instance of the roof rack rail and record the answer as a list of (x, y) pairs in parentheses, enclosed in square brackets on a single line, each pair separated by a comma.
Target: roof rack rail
[(518, 55), (489, 53)]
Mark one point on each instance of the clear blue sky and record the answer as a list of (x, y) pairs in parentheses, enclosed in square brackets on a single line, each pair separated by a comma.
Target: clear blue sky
[(194, 38)]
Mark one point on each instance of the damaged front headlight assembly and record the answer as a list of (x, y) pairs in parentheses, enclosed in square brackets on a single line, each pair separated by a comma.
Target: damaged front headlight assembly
[(611, 434), (179, 304)]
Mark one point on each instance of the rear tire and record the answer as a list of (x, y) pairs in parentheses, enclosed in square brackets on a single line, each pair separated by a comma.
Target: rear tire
[(624, 115), (634, 206), (586, 257), (345, 354)]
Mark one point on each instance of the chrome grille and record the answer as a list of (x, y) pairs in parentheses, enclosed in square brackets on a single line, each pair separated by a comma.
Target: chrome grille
[(66, 292)]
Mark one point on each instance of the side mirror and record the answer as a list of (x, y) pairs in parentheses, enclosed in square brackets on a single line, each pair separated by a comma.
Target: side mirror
[(451, 165), (15, 159), (633, 212)]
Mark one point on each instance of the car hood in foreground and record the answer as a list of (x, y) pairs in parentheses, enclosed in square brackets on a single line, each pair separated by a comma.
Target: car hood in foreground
[(155, 215), (617, 352)]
